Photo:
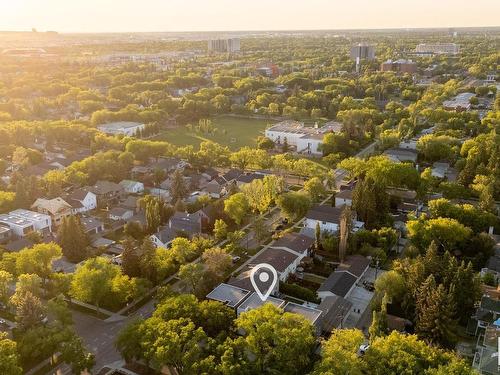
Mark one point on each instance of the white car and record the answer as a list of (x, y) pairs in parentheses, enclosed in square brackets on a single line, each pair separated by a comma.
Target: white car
[(363, 348)]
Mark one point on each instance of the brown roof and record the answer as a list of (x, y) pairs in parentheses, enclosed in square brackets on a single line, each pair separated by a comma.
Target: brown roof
[(294, 241), (325, 213), (278, 258), (355, 264)]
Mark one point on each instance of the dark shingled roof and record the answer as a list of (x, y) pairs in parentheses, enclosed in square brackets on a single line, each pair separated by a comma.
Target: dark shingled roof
[(338, 283), (294, 241), (232, 174), (325, 213), (278, 258), (335, 309), (355, 264)]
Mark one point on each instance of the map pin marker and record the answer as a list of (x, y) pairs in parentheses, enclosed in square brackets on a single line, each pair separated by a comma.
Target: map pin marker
[(264, 278)]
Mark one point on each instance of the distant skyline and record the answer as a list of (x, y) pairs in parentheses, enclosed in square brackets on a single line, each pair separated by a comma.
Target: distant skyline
[(239, 15)]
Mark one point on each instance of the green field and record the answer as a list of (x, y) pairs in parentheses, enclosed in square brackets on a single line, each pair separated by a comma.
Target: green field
[(233, 132)]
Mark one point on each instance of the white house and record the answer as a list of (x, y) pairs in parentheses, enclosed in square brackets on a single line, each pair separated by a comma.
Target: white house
[(120, 213), (132, 187), (22, 221), (82, 201), (122, 127), (328, 219), (344, 197), (305, 139)]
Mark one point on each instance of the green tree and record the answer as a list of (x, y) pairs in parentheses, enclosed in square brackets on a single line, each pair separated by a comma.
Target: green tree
[(405, 354), (340, 353), (178, 188), (315, 188), (268, 339), (98, 281), (236, 207), (9, 358), (130, 258), (293, 204), (38, 260), (436, 312), (220, 230), (73, 239)]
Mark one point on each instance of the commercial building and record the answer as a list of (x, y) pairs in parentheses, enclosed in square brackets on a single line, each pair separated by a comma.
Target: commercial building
[(121, 128), (399, 66), (363, 51), (437, 49), (224, 45), (305, 139)]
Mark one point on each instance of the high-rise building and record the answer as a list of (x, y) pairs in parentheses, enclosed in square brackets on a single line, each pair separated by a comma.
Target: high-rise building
[(363, 51), (224, 45), (437, 49)]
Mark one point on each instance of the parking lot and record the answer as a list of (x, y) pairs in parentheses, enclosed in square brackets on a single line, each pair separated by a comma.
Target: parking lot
[(360, 298)]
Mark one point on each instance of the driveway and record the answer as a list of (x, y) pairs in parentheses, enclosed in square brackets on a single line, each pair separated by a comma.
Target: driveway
[(360, 297)]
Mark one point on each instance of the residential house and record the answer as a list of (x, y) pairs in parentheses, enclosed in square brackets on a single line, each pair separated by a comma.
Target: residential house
[(57, 208), (180, 223), (328, 219), (335, 312), (132, 187), (401, 155), (248, 178), (443, 170), (131, 203), (216, 188), (486, 358), (81, 201), (243, 300), (459, 103), (107, 192), (343, 280), (344, 197), (22, 221), (92, 225), (120, 213)]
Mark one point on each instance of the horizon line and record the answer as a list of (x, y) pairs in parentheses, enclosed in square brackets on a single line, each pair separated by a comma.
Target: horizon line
[(254, 30)]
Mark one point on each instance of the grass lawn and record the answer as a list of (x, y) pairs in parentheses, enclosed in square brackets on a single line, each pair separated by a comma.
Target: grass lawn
[(233, 132)]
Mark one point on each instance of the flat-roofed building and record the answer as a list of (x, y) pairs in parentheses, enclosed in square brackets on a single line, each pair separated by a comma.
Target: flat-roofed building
[(254, 302), (127, 128), (437, 49), (230, 295), (399, 66), (22, 221), (305, 139)]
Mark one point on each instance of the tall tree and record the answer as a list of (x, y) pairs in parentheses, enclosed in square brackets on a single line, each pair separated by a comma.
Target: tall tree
[(73, 239), (178, 188)]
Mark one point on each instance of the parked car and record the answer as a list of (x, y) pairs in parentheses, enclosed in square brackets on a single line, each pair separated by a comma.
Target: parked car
[(363, 348)]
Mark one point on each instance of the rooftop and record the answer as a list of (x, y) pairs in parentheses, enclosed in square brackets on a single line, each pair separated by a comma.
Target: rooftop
[(119, 125), (309, 313), (338, 283), (254, 302), (325, 213), (294, 241), (278, 258), (230, 295)]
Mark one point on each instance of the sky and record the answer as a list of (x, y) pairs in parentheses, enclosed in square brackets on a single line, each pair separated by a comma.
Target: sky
[(227, 15)]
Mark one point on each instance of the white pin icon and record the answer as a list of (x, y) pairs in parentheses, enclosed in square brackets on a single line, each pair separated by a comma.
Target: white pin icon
[(264, 277)]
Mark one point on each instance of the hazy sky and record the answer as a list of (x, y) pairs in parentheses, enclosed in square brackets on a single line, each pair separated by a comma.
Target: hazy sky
[(218, 15)]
